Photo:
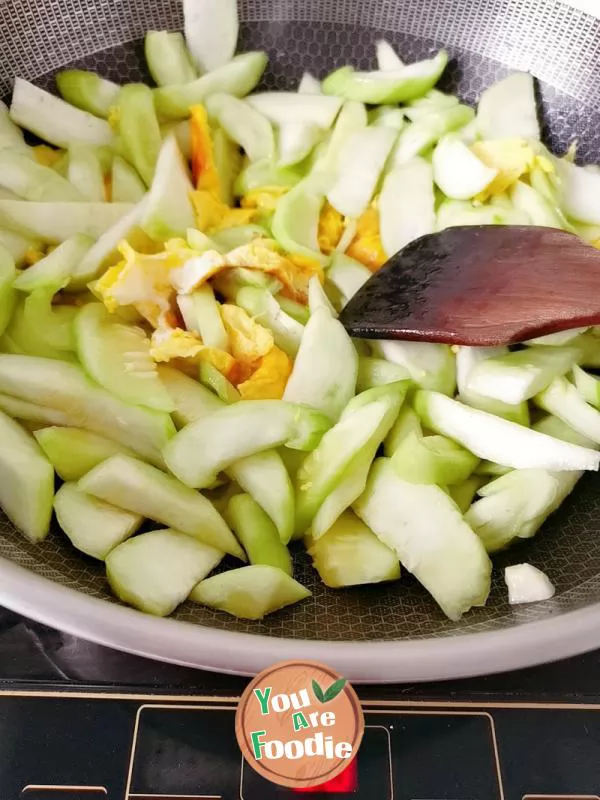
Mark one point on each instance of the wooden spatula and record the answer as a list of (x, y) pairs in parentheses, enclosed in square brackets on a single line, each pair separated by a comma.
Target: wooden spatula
[(480, 285)]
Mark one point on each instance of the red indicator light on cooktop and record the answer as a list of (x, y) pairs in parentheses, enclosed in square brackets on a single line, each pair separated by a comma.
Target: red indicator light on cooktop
[(345, 783)]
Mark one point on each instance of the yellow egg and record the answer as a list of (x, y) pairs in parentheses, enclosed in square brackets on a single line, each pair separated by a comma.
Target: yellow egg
[(204, 169), (197, 271), (265, 198), (304, 268), (268, 382), (512, 157), (142, 281), (367, 246), (294, 270), (46, 156), (331, 228), (248, 340), (169, 344), (32, 256), (212, 215)]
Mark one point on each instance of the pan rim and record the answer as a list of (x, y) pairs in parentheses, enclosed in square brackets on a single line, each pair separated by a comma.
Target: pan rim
[(365, 662)]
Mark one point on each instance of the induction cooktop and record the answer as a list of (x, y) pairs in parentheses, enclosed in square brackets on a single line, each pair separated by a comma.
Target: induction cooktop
[(80, 722)]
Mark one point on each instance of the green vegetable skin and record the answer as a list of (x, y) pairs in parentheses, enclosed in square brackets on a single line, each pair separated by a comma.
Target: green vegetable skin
[(499, 440), (8, 296), (296, 221), (191, 399), (350, 554), (54, 271), (199, 452), (74, 452), (265, 310), (263, 475), (38, 329), (66, 388), (31, 413), (406, 425), (347, 276), (32, 181), (426, 530), (516, 505), (249, 592), (244, 125), (126, 184), (464, 493), (87, 91), (168, 211), (257, 533), (518, 376), (466, 359), (156, 571), (52, 223), (213, 379), (118, 357), (265, 478), (55, 121), (142, 489), (85, 172), (378, 372), (26, 481), (168, 59), (317, 298), (417, 138), (94, 527), (431, 366), (139, 129), (201, 313), (238, 78), (563, 400), (326, 367), (10, 134), (356, 437), (104, 251), (17, 246), (387, 87), (433, 459), (587, 385)]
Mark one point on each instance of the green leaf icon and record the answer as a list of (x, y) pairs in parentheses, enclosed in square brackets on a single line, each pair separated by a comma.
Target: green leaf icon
[(334, 690), (318, 692)]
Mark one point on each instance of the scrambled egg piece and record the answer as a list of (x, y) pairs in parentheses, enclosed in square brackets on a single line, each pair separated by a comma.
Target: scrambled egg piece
[(270, 379), (107, 180), (512, 157), (142, 281), (197, 271), (204, 168), (46, 156), (114, 117), (248, 340), (168, 344), (293, 271), (212, 215), (265, 198), (366, 246), (331, 229), (32, 256)]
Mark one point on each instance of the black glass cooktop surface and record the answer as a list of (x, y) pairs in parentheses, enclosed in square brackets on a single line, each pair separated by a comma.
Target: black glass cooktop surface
[(80, 722)]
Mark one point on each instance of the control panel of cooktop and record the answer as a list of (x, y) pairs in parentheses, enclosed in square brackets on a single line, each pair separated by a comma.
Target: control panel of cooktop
[(61, 744)]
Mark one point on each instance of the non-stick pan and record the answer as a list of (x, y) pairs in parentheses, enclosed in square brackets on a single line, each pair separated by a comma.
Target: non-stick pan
[(393, 632)]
